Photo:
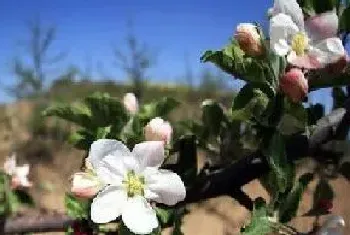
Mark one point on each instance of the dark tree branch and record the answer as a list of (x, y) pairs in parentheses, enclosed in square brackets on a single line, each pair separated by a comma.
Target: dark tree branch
[(227, 181)]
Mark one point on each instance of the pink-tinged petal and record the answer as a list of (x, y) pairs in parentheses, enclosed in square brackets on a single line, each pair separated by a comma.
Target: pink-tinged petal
[(322, 26), (139, 216), (131, 103), (158, 130), (327, 51), (85, 185), (17, 182), (20, 177), (306, 61), (149, 154)]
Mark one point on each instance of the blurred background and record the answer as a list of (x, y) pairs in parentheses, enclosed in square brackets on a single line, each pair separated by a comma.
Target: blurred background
[(54, 51)]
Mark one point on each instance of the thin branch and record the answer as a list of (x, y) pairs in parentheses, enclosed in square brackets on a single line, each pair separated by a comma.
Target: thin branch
[(30, 224), (323, 79)]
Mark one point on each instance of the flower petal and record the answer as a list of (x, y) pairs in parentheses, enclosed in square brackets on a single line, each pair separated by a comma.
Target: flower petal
[(10, 164), (305, 61), (322, 26), (328, 51), (282, 28), (101, 148), (85, 185), (281, 47), (166, 184), (291, 8), (22, 171), (149, 153), (111, 159), (108, 204), (139, 216)]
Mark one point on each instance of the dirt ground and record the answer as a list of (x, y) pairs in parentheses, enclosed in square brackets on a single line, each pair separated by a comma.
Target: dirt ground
[(215, 216)]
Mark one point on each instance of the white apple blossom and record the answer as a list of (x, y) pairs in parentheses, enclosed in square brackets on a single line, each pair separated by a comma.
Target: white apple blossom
[(131, 103), (332, 226), (19, 174), (159, 130), (302, 46), (132, 179)]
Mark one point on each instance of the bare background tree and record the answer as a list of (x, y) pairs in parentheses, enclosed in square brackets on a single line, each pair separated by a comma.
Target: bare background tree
[(189, 78), (135, 61), (31, 77)]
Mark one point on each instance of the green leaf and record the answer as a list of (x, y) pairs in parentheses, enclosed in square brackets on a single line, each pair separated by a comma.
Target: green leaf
[(76, 208), (243, 97), (103, 132), (179, 212), (77, 113), (82, 139), (165, 215), (324, 5), (106, 111), (5, 206), (250, 102), (312, 7), (22, 198), (307, 6), (212, 116), (278, 65), (165, 106), (259, 223), (231, 59), (160, 108), (276, 157), (294, 119), (289, 206)]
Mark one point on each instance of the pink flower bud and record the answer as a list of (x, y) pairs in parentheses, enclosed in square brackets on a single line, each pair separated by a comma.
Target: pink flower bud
[(249, 39), (294, 85), (158, 130), (131, 103), (85, 185)]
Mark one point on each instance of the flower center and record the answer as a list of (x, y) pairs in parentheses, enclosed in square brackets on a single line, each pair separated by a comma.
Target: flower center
[(134, 184), (299, 43)]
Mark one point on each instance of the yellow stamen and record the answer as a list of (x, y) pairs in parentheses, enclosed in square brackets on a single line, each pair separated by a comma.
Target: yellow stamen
[(299, 43), (134, 184)]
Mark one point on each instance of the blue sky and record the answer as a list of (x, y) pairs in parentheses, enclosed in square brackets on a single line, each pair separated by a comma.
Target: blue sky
[(88, 29)]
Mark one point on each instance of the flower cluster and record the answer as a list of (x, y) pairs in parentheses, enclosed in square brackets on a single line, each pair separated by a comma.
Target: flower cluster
[(19, 174), (307, 42), (125, 182)]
